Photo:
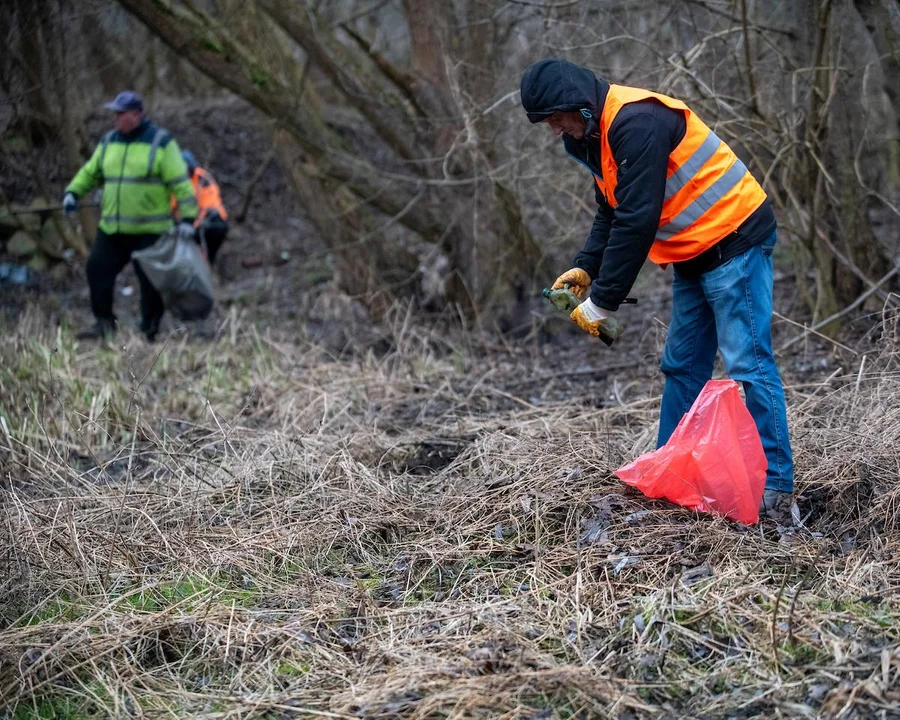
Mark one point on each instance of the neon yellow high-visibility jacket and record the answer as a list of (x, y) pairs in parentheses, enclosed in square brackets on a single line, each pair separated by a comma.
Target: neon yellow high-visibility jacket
[(139, 171)]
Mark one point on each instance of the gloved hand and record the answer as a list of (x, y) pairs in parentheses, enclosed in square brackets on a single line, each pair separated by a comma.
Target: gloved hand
[(186, 230), (70, 203), (598, 322), (577, 280)]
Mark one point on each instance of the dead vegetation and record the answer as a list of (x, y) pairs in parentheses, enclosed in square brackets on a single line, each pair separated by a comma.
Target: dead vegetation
[(252, 527)]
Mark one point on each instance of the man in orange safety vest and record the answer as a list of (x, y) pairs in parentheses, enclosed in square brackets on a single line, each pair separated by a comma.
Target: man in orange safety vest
[(668, 188)]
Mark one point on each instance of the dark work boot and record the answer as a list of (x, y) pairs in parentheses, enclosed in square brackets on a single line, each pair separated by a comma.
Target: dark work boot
[(102, 329), (150, 329), (779, 506)]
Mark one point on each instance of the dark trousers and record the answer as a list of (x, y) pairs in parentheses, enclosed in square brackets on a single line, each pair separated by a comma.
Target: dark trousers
[(213, 231), (109, 255)]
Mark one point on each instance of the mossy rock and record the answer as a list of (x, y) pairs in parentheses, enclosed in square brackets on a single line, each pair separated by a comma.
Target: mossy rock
[(22, 244), (53, 242), (17, 143), (9, 222), (19, 217), (39, 262), (39, 203)]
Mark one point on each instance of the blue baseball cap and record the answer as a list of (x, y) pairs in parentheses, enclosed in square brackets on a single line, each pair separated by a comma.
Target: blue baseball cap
[(128, 100)]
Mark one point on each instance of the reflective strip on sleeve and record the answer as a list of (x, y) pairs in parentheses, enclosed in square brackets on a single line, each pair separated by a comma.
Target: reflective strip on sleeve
[(137, 181), (693, 164), (188, 202), (128, 220), (179, 179), (704, 201)]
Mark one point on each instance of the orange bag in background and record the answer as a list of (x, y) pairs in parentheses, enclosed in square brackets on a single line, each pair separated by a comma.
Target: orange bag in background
[(714, 461)]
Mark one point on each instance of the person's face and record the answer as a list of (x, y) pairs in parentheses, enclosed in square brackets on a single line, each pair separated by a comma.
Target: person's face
[(127, 121), (571, 123)]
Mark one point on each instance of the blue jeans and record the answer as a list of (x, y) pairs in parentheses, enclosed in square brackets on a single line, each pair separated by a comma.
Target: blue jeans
[(729, 307)]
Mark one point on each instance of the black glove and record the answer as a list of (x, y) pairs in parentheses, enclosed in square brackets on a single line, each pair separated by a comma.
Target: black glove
[(70, 203)]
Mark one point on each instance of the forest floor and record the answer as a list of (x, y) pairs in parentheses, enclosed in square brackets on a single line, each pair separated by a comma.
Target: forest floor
[(290, 512)]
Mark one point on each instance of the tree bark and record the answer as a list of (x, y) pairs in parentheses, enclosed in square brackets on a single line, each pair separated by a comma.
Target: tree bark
[(815, 139), (492, 249), (69, 120), (40, 122)]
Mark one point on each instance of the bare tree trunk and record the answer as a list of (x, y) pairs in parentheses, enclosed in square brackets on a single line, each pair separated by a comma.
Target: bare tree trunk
[(494, 251), (428, 31), (110, 69), (812, 158), (39, 120), (881, 19), (60, 77)]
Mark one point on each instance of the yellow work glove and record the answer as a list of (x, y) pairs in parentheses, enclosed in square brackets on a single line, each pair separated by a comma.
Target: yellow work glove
[(598, 322), (577, 280)]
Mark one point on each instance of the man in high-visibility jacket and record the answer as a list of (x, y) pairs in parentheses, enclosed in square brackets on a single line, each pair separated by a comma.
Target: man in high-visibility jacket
[(212, 220), (139, 166), (669, 189)]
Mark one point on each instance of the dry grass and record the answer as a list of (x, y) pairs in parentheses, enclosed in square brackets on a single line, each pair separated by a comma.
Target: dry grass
[(251, 527)]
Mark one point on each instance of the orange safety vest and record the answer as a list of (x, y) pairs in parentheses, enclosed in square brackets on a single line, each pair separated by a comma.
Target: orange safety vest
[(206, 190), (709, 191), (208, 197)]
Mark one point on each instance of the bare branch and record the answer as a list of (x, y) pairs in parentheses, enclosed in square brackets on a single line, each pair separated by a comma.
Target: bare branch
[(389, 119)]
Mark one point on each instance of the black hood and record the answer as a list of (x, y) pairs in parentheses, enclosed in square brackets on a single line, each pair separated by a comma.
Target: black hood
[(553, 84)]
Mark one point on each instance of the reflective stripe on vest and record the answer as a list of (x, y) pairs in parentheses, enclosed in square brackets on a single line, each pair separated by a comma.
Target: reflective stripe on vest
[(704, 202), (709, 192), (136, 181), (701, 156), (142, 220), (185, 204), (104, 143), (158, 138)]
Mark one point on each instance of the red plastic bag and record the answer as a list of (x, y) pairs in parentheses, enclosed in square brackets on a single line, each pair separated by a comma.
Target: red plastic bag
[(714, 461)]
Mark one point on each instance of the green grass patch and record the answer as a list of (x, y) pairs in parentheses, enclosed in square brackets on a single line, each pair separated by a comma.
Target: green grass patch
[(57, 610), (290, 669), (185, 595), (55, 708), (188, 594)]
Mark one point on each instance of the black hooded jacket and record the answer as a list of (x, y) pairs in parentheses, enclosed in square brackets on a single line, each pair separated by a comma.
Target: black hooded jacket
[(641, 138)]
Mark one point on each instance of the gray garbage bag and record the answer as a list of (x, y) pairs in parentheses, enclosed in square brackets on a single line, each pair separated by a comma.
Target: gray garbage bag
[(177, 269)]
